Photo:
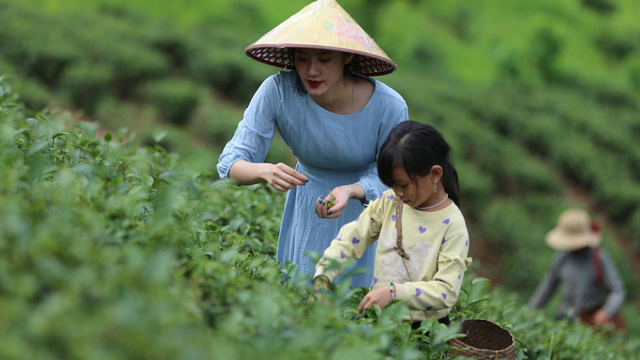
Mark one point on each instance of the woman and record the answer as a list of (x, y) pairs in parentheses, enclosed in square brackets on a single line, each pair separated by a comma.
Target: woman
[(332, 116)]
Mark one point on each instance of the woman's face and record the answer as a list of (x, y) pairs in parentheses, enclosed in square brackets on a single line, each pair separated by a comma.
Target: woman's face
[(320, 70)]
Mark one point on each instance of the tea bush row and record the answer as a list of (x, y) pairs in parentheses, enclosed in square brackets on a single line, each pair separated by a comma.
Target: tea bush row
[(516, 152), (481, 123), (577, 136), (112, 250), (121, 54)]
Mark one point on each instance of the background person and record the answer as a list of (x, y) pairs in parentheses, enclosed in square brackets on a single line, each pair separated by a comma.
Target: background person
[(332, 116), (592, 289)]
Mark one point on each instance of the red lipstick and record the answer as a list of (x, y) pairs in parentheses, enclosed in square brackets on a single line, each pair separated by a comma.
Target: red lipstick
[(314, 83)]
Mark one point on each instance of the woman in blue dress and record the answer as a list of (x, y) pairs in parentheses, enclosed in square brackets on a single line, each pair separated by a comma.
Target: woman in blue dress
[(332, 116)]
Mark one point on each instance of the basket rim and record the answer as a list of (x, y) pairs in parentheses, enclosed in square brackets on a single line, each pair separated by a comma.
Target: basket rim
[(461, 347)]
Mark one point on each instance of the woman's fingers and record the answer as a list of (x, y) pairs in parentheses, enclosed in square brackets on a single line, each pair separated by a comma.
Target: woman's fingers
[(321, 207), (283, 177), (290, 175)]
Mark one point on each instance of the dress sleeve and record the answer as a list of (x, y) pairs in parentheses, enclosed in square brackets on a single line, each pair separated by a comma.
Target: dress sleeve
[(371, 183), (352, 240), (613, 283), (254, 135), (440, 292), (548, 285)]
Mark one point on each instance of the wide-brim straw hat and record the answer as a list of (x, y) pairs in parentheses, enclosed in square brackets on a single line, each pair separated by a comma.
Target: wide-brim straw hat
[(574, 231), (323, 24)]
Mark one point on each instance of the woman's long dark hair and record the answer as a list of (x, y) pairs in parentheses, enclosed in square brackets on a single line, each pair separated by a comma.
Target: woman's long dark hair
[(417, 147)]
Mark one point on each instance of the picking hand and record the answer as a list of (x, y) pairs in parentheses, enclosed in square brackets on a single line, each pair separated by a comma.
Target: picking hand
[(380, 296), (332, 205), (601, 317), (283, 177), (320, 290)]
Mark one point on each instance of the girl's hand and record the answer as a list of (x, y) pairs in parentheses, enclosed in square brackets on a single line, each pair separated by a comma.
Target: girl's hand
[(380, 296), (332, 205), (320, 290), (282, 177)]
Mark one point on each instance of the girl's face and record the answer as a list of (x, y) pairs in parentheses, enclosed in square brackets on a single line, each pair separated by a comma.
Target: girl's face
[(415, 192), (320, 70)]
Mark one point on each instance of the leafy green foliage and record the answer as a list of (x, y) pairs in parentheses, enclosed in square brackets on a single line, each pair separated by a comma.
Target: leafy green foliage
[(526, 93), (87, 83), (109, 248), (176, 99), (112, 250)]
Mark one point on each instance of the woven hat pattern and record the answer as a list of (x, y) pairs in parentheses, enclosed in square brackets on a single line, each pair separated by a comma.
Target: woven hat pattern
[(322, 24), (574, 231)]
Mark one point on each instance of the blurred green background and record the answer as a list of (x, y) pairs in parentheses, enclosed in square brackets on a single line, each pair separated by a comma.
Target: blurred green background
[(539, 99)]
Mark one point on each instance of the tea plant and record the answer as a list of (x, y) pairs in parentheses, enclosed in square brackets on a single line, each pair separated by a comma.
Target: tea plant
[(112, 250)]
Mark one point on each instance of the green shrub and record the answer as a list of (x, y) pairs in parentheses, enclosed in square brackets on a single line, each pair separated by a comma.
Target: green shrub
[(216, 121), (518, 233), (42, 51), (176, 99), (132, 63), (545, 50), (176, 46), (634, 73), (221, 63), (6, 67), (540, 337), (605, 7), (621, 198), (113, 113), (87, 84), (476, 188), (633, 228), (616, 47), (32, 93)]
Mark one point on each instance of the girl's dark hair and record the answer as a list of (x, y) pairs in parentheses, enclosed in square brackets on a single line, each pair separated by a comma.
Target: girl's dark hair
[(417, 147)]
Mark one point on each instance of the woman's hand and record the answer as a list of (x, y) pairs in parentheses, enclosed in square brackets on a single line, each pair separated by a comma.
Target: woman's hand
[(380, 296), (332, 205), (282, 177)]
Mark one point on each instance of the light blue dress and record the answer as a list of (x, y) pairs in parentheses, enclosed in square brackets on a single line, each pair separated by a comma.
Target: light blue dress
[(332, 150)]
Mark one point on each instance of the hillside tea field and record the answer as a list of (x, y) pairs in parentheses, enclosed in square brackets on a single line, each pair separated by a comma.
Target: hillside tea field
[(551, 112), (110, 250), (118, 240)]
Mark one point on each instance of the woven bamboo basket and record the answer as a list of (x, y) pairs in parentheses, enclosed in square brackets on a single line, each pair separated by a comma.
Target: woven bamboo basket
[(484, 340)]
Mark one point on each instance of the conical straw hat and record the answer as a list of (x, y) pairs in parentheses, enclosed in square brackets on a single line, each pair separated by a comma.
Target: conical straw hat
[(323, 24)]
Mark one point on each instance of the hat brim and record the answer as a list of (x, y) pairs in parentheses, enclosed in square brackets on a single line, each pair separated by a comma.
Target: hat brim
[(560, 240), (323, 24), (279, 55)]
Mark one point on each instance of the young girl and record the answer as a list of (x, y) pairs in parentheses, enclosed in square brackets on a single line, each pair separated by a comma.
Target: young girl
[(422, 237)]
